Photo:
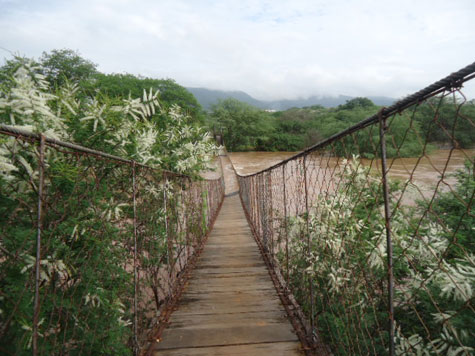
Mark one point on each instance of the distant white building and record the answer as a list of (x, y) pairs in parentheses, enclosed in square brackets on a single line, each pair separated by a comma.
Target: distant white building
[(270, 110)]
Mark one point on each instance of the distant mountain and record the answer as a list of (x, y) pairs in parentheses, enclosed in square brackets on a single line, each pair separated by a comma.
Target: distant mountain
[(208, 97)]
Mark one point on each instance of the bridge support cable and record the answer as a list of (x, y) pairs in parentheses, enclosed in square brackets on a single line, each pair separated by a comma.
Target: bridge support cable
[(376, 250)]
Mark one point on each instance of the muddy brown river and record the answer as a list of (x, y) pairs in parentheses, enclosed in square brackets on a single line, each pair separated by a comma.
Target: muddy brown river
[(424, 173), (426, 170)]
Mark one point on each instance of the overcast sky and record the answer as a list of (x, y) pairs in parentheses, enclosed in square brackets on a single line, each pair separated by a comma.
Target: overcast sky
[(270, 49)]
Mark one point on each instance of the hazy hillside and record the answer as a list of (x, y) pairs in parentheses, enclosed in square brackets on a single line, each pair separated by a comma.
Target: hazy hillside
[(208, 97)]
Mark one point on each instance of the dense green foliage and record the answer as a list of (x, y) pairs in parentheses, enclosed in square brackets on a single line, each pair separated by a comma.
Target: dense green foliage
[(243, 127), (447, 121), (296, 129), (121, 85), (86, 278), (450, 209), (64, 65), (67, 66), (85, 290), (434, 268)]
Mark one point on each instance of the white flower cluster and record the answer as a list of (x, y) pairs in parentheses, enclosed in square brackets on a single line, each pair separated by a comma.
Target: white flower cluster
[(140, 109), (446, 344), (6, 167), (50, 266), (336, 237), (27, 103)]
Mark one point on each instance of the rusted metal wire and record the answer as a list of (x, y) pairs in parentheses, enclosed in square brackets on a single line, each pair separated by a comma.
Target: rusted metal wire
[(114, 240), (309, 249), (286, 231), (453, 81), (136, 328), (375, 250), (36, 306), (387, 225), (25, 134), (156, 333)]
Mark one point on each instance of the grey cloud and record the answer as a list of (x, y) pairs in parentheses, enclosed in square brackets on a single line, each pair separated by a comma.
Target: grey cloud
[(270, 49)]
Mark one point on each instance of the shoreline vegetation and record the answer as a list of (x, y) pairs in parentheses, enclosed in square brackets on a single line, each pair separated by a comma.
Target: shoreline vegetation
[(245, 128)]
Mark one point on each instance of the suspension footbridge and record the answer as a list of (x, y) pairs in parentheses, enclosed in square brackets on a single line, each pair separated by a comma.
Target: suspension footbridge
[(331, 251), (230, 305)]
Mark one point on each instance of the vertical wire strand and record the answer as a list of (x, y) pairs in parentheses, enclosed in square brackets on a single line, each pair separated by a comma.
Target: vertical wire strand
[(285, 226), (271, 216), (387, 217), (36, 303), (310, 284), (165, 207), (134, 187)]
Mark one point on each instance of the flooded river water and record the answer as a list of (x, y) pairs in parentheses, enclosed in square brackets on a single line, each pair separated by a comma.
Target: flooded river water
[(424, 173), (426, 170)]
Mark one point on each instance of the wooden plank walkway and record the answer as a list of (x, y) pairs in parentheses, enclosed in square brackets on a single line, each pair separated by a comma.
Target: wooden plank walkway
[(230, 305)]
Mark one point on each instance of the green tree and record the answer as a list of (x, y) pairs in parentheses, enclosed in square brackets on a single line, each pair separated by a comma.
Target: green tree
[(171, 93), (447, 122), (450, 208), (244, 127), (61, 65), (66, 65), (359, 102)]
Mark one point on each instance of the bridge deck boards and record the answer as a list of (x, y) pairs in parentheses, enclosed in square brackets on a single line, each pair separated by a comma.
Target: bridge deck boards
[(229, 306)]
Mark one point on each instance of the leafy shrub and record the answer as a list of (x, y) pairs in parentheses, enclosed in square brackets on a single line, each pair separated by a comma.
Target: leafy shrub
[(86, 278), (345, 265)]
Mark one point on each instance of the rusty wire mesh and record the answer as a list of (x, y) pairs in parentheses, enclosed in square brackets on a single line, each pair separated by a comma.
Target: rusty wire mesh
[(378, 273), (114, 239)]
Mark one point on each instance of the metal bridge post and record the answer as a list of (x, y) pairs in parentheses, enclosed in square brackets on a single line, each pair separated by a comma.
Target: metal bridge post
[(270, 217), (252, 202), (310, 284), (134, 186), (36, 303), (285, 227), (165, 208), (387, 216), (256, 203), (262, 203)]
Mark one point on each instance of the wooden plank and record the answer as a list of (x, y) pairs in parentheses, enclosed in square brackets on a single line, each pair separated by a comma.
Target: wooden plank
[(226, 261), (225, 334), (210, 272), (242, 304), (202, 321), (237, 264), (274, 349), (229, 306), (224, 288)]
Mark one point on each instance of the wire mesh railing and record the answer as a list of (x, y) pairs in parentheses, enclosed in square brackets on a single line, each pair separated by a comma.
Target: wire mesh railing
[(371, 231), (93, 247)]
